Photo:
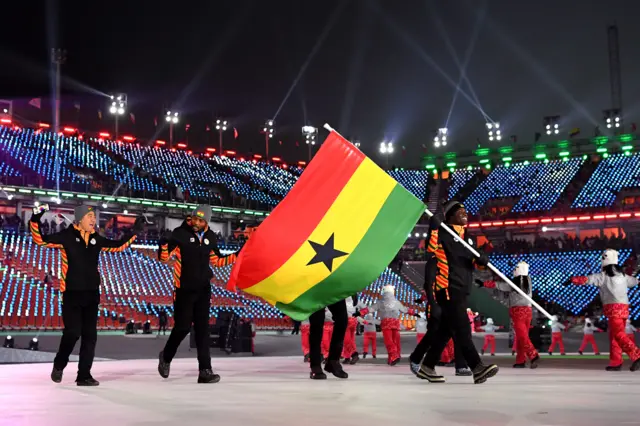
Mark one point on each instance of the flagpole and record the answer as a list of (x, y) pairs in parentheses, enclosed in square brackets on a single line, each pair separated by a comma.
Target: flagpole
[(492, 268)]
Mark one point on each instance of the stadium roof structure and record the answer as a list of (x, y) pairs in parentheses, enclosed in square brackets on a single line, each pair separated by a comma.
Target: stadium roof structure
[(489, 156)]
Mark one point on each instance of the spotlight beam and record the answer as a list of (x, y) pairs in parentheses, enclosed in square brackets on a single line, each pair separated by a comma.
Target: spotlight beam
[(420, 51)]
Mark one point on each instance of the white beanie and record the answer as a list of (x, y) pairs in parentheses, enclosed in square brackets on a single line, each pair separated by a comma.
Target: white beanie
[(522, 269), (388, 289), (609, 257), (490, 321), (587, 321)]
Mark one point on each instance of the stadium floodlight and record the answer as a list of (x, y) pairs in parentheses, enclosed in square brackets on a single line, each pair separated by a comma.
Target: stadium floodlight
[(356, 143), (613, 118), (9, 342), (33, 344), (118, 107), (269, 130), (494, 132), (386, 148), (172, 117), (551, 125), (441, 138), (221, 126), (310, 134)]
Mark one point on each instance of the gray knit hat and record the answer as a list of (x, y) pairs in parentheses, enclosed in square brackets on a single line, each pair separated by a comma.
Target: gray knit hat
[(81, 211), (203, 212)]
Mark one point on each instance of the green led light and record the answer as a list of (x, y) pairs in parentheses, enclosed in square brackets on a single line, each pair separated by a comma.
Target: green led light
[(37, 191), (96, 197), (507, 159), (627, 153), (147, 203), (565, 159), (564, 154), (601, 150), (585, 156), (450, 155), (488, 166), (259, 214), (526, 163), (182, 206), (505, 150), (452, 169), (507, 164), (605, 155), (24, 191), (600, 140), (82, 196), (451, 164), (157, 204), (482, 152), (170, 204), (469, 167), (625, 138), (126, 200), (216, 209), (430, 166), (52, 193), (484, 160), (67, 194), (627, 148), (231, 211), (541, 156), (546, 161), (109, 198)]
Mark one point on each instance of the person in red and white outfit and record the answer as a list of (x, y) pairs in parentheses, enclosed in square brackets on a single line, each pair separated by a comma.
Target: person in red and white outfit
[(304, 339), (421, 326), (588, 330), (472, 319), (630, 330), (556, 335), (388, 309), (521, 313), (489, 336), (349, 349), (370, 334), (614, 285)]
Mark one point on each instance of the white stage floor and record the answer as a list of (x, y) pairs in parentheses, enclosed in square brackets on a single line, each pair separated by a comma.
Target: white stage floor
[(277, 391)]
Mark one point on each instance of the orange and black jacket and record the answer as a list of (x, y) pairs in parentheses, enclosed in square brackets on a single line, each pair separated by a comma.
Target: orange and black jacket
[(80, 253), (193, 254), (454, 263)]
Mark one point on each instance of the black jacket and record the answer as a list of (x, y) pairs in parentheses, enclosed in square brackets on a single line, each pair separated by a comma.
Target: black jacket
[(461, 263), (79, 270), (193, 254)]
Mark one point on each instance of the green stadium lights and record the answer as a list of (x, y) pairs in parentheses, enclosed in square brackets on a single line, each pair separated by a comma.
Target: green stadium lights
[(627, 148), (507, 164), (526, 162), (605, 155), (451, 164), (601, 150), (546, 161), (430, 166), (585, 156), (452, 169), (627, 153), (484, 161), (625, 138), (488, 166), (564, 154), (469, 167), (541, 156), (507, 159)]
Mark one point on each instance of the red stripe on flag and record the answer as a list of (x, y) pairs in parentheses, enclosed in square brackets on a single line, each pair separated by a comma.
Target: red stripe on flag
[(293, 220)]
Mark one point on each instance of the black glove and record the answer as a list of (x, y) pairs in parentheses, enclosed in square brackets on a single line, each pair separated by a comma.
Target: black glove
[(435, 221), (138, 225), (483, 260), (435, 311), (165, 237), (37, 217), (357, 313), (479, 283)]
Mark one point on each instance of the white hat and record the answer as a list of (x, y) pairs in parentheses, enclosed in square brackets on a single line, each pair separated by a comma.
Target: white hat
[(490, 321), (609, 257), (423, 315), (554, 318), (587, 321), (388, 289), (522, 269)]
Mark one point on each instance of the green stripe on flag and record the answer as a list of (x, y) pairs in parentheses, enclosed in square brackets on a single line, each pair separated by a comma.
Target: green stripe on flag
[(372, 255)]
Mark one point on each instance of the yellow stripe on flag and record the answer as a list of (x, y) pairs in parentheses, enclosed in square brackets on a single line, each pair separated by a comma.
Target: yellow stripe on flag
[(348, 218)]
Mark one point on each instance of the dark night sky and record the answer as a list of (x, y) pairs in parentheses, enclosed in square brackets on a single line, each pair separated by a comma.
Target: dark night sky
[(369, 77)]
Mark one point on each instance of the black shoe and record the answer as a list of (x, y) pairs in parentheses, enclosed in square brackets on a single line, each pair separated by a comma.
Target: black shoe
[(395, 361), (534, 362), (306, 358), (521, 365), (335, 368), (374, 357), (56, 375), (317, 374), (364, 355), (430, 375), (597, 353), (493, 354), (483, 372), (354, 358), (208, 376), (636, 365), (580, 352), (464, 372), (513, 353), (163, 366), (613, 368), (482, 352), (562, 354), (89, 381)]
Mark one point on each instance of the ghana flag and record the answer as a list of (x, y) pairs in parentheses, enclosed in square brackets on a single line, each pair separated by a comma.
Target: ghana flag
[(332, 235)]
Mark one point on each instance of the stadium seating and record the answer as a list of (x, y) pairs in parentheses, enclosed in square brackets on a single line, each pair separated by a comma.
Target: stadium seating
[(459, 179), (617, 172), (7, 170), (549, 271), (415, 181), (538, 185)]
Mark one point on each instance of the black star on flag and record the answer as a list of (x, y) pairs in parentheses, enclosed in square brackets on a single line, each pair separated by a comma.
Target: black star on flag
[(325, 253)]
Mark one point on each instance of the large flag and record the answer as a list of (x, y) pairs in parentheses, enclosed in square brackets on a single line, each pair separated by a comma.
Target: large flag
[(332, 235)]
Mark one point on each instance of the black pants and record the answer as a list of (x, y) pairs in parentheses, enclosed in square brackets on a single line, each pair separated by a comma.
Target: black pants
[(162, 327), (191, 306), (80, 316), (296, 327), (454, 322), (316, 323)]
